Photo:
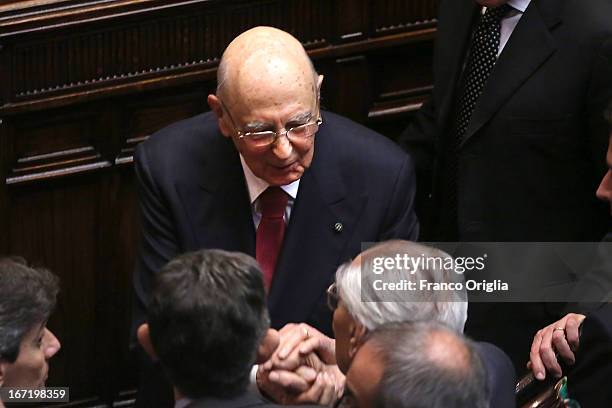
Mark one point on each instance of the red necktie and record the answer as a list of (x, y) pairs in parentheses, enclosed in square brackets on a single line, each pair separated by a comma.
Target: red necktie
[(271, 230)]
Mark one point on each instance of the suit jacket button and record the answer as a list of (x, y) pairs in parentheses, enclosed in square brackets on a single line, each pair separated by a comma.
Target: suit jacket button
[(338, 227)]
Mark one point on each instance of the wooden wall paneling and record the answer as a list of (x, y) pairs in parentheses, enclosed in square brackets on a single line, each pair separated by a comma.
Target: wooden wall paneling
[(345, 87), (310, 21), (351, 20), (148, 112), (58, 225), (392, 16), (55, 145), (401, 82), (5, 136)]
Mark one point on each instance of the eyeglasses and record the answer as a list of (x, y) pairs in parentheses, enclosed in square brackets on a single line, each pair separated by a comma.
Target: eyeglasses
[(332, 297), (266, 138)]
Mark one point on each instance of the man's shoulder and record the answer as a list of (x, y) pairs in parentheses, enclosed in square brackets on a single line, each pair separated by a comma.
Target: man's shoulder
[(184, 134), (185, 143), (501, 375), (248, 400), (587, 20), (349, 141)]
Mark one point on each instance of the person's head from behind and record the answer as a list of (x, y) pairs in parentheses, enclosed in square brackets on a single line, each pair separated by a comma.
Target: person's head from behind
[(27, 298), (416, 365), (604, 192), (267, 102), (206, 318), (362, 308)]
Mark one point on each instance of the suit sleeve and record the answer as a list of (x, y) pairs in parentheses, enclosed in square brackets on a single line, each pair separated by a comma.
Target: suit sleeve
[(158, 242), (401, 220)]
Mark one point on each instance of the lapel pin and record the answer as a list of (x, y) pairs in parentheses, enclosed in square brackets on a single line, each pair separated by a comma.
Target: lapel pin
[(338, 227)]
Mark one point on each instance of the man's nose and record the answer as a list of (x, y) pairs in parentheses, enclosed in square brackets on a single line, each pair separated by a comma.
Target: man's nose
[(282, 147), (51, 344), (604, 192)]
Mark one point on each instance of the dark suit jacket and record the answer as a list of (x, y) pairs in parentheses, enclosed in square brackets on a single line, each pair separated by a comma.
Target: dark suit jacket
[(588, 380), (247, 400), (244, 401), (501, 377), (193, 195), (534, 151)]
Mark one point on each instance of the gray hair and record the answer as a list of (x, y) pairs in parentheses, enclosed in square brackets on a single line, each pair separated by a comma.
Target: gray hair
[(373, 308), (428, 365), (27, 298)]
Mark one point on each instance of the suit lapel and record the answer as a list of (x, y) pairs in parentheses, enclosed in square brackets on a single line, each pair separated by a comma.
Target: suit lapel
[(529, 46), (313, 247), (457, 42), (219, 207)]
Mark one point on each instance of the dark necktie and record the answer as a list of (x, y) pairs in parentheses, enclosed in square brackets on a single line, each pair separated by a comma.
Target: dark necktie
[(271, 230), (482, 57)]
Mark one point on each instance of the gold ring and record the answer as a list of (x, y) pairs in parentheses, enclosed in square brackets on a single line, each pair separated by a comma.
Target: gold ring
[(305, 332), (559, 328)]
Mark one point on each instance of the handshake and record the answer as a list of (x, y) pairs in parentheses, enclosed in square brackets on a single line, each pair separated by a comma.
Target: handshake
[(297, 365)]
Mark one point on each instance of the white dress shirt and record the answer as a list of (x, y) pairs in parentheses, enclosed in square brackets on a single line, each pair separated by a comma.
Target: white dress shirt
[(508, 23), (256, 186)]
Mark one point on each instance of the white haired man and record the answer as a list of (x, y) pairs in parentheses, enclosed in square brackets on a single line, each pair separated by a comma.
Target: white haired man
[(359, 308)]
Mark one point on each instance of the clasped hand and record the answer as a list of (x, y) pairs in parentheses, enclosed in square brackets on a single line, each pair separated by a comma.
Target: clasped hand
[(301, 369)]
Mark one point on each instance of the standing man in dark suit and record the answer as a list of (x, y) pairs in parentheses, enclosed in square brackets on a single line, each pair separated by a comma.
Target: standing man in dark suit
[(582, 343), (513, 135), (268, 174)]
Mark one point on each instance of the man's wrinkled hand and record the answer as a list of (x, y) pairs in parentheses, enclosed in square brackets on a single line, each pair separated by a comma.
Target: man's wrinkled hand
[(561, 338)]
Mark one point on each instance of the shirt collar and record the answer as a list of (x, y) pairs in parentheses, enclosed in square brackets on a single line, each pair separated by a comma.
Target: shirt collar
[(182, 403), (520, 5), (256, 186)]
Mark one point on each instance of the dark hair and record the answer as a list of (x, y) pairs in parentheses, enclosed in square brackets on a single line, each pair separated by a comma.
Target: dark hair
[(27, 298), (414, 376), (608, 114), (207, 316)]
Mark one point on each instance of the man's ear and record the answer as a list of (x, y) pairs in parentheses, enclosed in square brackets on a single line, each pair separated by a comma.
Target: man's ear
[(319, 82), (215, 105), (358, 332), (144, 338)]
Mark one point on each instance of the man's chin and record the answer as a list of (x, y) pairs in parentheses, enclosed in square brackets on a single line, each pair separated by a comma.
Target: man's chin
[(285, 178)]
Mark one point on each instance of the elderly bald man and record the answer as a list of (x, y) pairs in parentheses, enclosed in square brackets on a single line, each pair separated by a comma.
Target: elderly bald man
[(270, 174)]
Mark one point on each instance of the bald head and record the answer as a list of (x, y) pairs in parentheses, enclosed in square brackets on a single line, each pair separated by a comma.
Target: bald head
[(404, 365), (265, 62), (447, 351), (268, 84)]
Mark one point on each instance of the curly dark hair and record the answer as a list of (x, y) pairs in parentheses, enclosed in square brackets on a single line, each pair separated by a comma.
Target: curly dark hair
[(27, 298)]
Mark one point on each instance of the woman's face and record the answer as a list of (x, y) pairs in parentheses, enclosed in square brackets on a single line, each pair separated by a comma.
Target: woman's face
[(31, 368)]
